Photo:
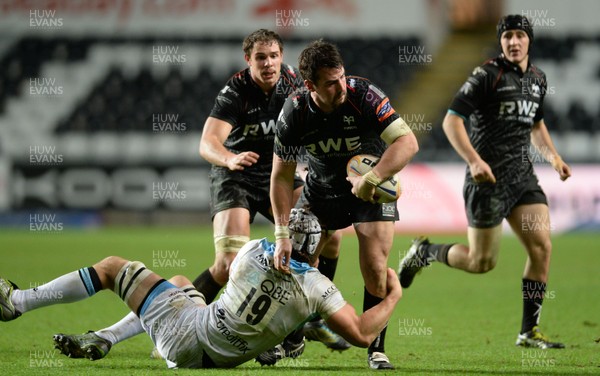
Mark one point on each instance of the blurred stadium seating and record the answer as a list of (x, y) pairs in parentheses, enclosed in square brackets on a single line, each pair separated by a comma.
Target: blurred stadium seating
[(110, 91)]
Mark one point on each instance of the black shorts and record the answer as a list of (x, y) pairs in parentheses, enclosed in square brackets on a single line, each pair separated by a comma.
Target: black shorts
[(488, 204), (338, 213), (232, 189)]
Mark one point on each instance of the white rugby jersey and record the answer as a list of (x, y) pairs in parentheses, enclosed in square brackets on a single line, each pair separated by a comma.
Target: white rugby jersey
[(260, 305)]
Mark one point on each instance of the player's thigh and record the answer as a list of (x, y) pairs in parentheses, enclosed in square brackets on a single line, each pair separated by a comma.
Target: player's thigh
[(234, 221), (484, 243), (531, 224)]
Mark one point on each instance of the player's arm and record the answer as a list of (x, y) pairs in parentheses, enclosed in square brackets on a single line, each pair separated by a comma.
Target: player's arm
[(454, 128), (281, 193), (362, 330), (402, 147), (540, 138), (212, 146)]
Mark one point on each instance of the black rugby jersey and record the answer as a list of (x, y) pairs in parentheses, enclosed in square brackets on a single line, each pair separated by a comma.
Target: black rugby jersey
[(331, 139), (252, 114), (502, 104)]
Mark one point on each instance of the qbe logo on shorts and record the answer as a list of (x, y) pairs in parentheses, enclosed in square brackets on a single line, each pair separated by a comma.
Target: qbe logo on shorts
[(388, 209)]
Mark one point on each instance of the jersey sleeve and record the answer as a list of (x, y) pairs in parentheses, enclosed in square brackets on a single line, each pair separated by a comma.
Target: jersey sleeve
[(539, 114), (228, 105), (378, 105), (471, 93), (325, 296), (286, 144)]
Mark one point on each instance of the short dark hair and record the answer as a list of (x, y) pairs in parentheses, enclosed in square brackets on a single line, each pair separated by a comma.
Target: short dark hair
[(261, 36), (318, 54)]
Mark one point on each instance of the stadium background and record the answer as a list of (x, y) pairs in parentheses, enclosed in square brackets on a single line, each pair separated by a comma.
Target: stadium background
[(102, 105)]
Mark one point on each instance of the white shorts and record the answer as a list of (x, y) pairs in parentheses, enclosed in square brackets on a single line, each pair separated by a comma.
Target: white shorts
[(169, 316)]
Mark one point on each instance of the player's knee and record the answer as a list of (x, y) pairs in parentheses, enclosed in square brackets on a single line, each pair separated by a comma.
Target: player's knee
[(108, 268), (180, 280), (484, 264), (129, 278), (540, 252)]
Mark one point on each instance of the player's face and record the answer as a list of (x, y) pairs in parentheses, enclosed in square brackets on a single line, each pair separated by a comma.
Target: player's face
[(329, 92), (515, 45), (265, 64)]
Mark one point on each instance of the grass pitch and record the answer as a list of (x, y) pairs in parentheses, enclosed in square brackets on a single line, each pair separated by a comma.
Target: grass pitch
[(449, 322)]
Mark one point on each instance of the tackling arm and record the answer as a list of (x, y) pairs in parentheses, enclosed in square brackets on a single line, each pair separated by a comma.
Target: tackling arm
[(362, 330), (540, 138)]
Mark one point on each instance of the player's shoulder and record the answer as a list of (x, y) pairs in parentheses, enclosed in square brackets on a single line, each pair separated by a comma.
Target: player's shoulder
[(537, 71), (358, 84), (297, 101), (291, 73), (238, 81), (489, 68)]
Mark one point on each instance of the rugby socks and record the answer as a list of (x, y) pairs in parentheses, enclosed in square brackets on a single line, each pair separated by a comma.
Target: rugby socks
[(533, 296), (206, 284), (327, 266), (438, 251), (127, 327), (67, 288), (370, 301)]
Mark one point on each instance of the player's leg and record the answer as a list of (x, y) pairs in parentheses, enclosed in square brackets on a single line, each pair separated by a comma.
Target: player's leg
[(486, 207), (375, 241), (531, 224), (480, 256), (69, 288), (231, 230), (96, 344)]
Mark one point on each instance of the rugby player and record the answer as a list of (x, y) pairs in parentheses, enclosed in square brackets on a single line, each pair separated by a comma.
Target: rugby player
[(337, 118), (237, 140), (258, 308), (503, 99)]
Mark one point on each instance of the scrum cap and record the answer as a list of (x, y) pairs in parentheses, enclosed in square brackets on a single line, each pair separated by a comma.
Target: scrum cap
[(305, 232), (514, 22)]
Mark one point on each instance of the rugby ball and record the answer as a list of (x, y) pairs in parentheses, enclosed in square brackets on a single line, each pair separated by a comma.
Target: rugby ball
[(388, 191)]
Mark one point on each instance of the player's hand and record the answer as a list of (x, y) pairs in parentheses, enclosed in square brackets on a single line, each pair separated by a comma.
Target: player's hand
[(242, 160), (563, 169), (361, 188), (482, 172), (283, 255), (394, 290)]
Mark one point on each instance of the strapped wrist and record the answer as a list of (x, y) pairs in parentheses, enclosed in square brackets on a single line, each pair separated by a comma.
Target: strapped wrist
[(282, 232), (372, 179)]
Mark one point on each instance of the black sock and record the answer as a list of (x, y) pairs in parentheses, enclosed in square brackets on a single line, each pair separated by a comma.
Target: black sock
[(533, 296), (206, 284), (296, 336), (379, 342), (439, 251), (327, 266)]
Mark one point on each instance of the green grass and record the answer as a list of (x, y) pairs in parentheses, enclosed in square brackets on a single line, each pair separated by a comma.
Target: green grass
[(447, 323)]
